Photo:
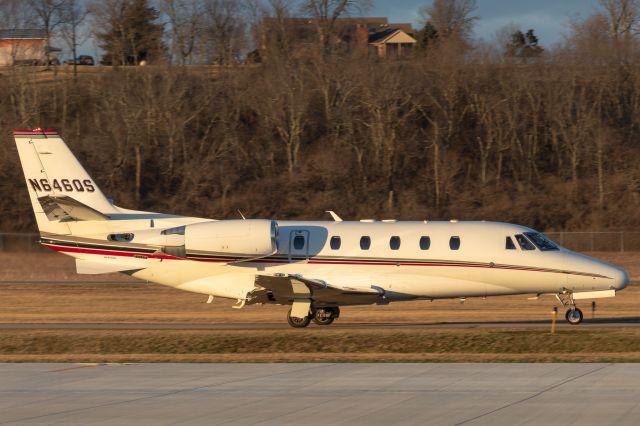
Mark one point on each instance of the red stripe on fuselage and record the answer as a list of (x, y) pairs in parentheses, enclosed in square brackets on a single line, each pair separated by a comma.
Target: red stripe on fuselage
[(66, 249)]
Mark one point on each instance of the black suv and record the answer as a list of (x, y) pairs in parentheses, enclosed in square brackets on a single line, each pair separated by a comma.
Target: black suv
[(80, 60)]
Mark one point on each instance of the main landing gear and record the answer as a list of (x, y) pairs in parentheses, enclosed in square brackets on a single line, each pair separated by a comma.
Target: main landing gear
[(297, 322), (325, 316), (320, 316), (574, 315)]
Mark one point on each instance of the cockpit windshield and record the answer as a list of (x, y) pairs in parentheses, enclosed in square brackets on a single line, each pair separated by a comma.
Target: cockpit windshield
[(542, 242), (524, 243)]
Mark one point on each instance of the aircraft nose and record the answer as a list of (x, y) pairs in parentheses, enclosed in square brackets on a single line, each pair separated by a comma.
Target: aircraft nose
[(620, 278)]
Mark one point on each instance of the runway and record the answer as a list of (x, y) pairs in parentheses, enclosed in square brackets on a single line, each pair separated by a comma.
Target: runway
[(320, 394), (346, 326)]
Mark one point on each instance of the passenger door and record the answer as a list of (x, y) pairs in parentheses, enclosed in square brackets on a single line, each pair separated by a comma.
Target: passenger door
[(298, 245)]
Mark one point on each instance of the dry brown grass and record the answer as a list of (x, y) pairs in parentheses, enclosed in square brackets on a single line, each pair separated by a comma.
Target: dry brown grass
[(320, 345)]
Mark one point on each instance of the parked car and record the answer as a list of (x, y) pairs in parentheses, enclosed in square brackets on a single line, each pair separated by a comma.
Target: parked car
[(81, 60)]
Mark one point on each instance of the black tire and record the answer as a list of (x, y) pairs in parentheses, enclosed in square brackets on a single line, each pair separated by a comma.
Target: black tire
[(574, 316), (323, 317), (297, 322)]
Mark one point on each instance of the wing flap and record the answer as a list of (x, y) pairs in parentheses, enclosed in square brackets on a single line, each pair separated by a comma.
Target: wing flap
[(289, 289)]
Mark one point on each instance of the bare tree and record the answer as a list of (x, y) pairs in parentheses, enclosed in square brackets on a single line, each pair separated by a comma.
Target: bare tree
[(16, 14), (186, 20), (550, 144), (72, 16), (588, 41), (622, 18), (109, 15), (327, 12), (452, 19), (224, 31), (272, 33), (282, 103), (48, 15)]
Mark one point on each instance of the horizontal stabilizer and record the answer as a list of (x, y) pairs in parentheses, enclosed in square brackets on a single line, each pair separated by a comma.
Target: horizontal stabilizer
[(64, 208), (90, 267)]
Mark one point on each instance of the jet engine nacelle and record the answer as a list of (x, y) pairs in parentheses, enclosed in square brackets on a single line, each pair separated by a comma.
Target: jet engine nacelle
[(239, 239), (253, 238)]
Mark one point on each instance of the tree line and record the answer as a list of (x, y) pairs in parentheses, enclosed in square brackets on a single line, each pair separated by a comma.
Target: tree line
[(460, 131)]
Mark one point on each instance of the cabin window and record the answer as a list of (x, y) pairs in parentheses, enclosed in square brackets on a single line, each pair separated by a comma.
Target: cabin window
[(394, 243), (425, 243), (365, 243), (335, 243), (524, 243), (298, 242), (542, 242), (510, 245), (454, 243)]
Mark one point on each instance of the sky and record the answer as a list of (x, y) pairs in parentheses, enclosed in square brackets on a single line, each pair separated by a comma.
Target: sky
[(548, 18)]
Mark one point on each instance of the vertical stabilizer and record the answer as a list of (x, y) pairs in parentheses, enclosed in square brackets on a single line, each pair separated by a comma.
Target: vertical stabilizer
[(52, 171)]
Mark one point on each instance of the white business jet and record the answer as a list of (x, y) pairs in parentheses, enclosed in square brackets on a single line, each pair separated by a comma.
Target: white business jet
[(314, 266)]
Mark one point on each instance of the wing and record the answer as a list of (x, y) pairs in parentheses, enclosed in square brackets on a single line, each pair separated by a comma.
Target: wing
[(301, 292)]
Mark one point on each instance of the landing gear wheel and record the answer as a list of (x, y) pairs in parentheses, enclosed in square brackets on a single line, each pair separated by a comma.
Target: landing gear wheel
[(323, 317), (574, 316), (297, 322)]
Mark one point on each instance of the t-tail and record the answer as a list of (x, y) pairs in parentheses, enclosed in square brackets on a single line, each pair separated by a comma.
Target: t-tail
[(59, 187)]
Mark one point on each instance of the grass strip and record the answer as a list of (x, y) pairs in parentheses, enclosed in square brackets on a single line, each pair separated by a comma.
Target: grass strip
[(326, 342)]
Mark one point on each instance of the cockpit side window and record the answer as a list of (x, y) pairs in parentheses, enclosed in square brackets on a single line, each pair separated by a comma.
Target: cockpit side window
[(542, 242), (524, 243), (509, 244)]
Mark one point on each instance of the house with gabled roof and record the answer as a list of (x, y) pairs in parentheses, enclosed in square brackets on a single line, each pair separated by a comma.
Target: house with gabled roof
[(390, 43), (358, 36)]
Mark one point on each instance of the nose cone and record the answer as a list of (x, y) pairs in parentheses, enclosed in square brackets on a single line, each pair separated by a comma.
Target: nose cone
[(620, 278), (600, 275)]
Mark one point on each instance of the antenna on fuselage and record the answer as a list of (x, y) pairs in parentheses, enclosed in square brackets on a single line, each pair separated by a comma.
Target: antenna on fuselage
[(241, 215), (333, 214)]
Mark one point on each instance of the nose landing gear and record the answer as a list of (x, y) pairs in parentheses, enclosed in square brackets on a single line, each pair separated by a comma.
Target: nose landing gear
[(574, 315)]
